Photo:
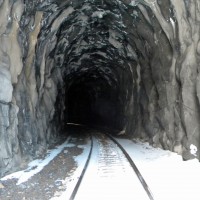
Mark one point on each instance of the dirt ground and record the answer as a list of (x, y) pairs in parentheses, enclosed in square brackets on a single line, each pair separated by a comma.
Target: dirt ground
[(47, 182)]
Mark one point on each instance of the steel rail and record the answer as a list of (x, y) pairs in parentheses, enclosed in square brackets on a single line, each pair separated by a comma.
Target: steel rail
[(83, 172), (133, 165)]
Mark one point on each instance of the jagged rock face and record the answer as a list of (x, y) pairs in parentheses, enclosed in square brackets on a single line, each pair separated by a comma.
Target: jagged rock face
[(128, 65)]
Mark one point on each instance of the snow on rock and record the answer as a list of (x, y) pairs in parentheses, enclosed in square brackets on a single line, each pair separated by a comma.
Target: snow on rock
[(99, 14), (193, 149)]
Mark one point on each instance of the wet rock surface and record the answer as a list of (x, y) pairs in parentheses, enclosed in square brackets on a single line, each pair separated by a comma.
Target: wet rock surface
[(129, 65)]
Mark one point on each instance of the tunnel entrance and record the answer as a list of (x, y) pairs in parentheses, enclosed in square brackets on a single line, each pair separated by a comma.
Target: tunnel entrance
[(128, 65)]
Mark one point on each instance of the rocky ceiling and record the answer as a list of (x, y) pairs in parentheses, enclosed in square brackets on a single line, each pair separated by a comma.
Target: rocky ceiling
[(127, 65)]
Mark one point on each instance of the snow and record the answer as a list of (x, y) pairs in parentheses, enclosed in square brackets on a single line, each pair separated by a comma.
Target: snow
[(36, 165), (193, 149), (168, 176), (70, 182), (109, 180), (98, 14)]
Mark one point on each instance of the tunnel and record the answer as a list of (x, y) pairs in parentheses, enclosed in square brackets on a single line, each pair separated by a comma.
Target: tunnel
[(126, 65)]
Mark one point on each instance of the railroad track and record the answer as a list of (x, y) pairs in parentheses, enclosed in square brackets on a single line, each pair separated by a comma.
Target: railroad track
[(107, 147), (135, 169), (83, 172)]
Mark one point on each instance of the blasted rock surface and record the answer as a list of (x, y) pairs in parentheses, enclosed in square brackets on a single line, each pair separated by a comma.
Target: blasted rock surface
[(131, 65)]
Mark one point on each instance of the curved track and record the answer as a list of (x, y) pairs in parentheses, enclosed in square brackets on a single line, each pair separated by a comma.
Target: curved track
[(104, 142)]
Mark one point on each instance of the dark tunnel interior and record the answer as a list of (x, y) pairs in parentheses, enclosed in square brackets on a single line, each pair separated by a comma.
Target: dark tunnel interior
[(91, 101)]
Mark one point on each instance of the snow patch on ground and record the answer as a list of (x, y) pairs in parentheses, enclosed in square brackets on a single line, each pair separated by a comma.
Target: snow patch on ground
[(70, 182), (37, 165), (168, 176)]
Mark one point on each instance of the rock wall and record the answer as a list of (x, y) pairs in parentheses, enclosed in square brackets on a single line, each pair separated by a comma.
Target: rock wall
[(139, 57)]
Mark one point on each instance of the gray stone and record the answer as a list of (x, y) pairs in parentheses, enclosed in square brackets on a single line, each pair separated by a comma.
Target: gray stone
[(6, 87), (123, 65)]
